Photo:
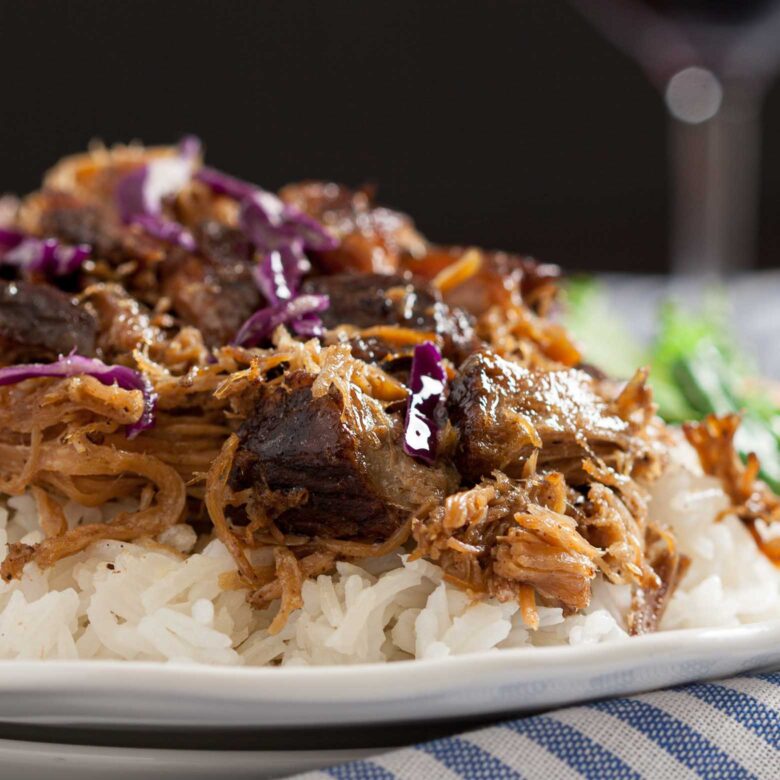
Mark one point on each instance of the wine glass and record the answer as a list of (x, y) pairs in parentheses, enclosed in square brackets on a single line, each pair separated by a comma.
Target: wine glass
[(713, 61)]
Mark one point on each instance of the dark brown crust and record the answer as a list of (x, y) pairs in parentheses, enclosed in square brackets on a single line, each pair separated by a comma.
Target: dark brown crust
[(370, 300), (372, 239), (499, 407), (295, 441), (40, 323), (503, 280), (214, 290), (63, 216)]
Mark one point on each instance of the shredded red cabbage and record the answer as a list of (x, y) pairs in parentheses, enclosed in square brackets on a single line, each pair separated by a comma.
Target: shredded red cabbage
[(40, 255), (427, 382), (140, 194), (296, 312), (308, 325), (270, 223), (311, 232), (166, 230), (263, 222), (77, 365), (281, 233), (279, 273), (223, 184), (265, 219)]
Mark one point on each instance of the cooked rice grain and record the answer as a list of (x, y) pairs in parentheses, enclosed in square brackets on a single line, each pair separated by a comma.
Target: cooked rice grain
[(119, 600)]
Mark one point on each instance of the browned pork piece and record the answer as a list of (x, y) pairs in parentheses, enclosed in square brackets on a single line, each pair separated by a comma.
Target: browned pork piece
[(39, 323), (509, 296), (76, 221), (373, 239), (212, 290), (505, 412), (374, 307), (325, 465), (477, 279)]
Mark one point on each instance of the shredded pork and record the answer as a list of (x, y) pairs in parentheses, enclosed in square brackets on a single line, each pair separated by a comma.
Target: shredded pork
[(539, 481)]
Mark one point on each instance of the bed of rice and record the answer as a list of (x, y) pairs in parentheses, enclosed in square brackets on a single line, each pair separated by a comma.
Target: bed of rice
[(128, 601)]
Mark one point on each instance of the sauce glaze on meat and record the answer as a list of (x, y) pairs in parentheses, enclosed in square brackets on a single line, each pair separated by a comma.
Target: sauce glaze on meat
[(538, 484)]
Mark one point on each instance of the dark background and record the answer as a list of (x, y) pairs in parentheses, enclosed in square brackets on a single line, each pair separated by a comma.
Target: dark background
[(508, 123)]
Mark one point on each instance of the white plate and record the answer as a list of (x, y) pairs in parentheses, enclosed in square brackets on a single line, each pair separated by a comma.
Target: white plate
[(294, 718), (155, 694)]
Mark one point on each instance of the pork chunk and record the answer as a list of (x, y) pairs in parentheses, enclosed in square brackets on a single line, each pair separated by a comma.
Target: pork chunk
[(64, 217), (124, 324), (213, 290), (39, 323), (371, 300), (503, 279), (345, 459), (372, 238), (504, 412)]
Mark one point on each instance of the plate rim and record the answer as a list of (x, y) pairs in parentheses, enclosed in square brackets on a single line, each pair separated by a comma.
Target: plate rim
[(496, 683), (16, 674)]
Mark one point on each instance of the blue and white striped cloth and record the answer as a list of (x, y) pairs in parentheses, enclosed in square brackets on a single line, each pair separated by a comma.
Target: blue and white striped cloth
[(726, 729)]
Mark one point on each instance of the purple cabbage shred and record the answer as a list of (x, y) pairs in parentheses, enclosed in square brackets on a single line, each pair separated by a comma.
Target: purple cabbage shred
[(141, 193), (299, 313), (78, 365), (45, 256), (427, 383), (279, 272), (279, 231)]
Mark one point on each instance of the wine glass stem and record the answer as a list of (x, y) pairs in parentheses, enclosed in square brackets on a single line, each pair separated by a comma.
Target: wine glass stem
[(715, 183)]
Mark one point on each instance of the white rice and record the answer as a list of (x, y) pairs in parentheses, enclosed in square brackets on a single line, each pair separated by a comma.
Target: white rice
[(127, 601)]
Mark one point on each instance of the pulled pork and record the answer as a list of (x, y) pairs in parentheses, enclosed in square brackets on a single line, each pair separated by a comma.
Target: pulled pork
[(538, 483), (751, 499)]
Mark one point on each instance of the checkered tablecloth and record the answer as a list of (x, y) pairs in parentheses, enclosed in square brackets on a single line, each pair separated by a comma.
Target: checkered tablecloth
[(726, 729)]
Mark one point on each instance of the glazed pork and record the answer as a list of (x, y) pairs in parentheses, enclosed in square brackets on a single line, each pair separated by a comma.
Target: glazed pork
[(38, 322), (505, 412), (377, 305), (305, 376), (213, 289), (325, 461), (495, 279), (372, 239), (123, 323), (67, 217)]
